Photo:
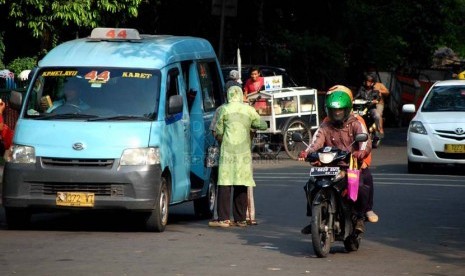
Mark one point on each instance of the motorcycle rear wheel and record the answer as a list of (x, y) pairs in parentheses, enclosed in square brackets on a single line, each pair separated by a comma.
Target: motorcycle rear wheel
[(321, 239)]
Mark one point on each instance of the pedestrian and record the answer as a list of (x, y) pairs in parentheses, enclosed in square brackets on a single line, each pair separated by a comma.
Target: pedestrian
[(234, 79), (235, 173), (6, 133), (255, 83)]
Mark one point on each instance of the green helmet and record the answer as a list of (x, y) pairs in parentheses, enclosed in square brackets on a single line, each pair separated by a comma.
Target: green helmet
[(336, 101)]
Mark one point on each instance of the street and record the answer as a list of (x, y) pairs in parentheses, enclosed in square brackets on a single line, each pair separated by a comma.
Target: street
[(420, 232)]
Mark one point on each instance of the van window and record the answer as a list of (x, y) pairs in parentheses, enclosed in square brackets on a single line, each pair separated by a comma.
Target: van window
[(94, 92), (172, 87), (211, 85)]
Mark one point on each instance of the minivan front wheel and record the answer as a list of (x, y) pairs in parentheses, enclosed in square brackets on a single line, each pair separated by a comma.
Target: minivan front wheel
[(17, 218), (157, 220)]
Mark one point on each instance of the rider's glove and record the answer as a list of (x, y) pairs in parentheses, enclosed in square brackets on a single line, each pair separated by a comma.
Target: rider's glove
[(302, 155), (360, 154)]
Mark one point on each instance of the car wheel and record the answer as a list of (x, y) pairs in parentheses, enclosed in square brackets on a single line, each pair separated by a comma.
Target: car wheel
[(414, 167)]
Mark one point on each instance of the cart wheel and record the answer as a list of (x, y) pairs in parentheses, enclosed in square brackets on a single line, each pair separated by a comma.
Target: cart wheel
[(294, 148)]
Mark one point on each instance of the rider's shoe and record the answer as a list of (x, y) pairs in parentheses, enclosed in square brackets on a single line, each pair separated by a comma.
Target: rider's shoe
[(380, 134), (306, 230), (372, 216), (360, 226)]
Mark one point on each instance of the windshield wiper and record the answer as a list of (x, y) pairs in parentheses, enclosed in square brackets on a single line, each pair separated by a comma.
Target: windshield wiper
[(120, 118), (66, 116)]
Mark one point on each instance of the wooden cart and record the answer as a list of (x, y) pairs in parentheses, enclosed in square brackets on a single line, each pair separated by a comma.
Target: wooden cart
[(286, 111)]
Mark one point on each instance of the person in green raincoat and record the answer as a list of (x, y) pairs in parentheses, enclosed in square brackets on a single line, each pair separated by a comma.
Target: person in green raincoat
[(234, 124)]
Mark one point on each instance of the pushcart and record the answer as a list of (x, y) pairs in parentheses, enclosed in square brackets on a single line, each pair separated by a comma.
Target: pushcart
[(285, 110)]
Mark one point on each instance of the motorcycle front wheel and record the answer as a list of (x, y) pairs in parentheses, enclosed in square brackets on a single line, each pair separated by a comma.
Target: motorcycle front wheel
[(321, 239), (352, 243)]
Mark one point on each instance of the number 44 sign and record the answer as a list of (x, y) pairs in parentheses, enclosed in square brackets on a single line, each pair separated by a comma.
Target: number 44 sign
[(95, 77)]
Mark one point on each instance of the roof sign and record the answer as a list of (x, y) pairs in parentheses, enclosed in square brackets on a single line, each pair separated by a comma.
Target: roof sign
[(114, 34)]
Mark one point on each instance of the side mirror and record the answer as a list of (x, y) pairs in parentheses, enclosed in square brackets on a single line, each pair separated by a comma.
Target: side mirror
[(297, 137), (408, 108), (16, 99), (175, 104), (361, 137)]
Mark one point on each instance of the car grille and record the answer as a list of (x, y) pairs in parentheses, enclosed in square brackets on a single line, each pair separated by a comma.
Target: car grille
[(114, 190), (448, 134), (70, 162), (456, 156)]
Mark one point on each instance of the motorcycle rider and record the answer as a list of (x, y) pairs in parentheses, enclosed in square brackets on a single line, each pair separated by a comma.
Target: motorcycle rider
[(374, 91), (366, 173), (339, 131)]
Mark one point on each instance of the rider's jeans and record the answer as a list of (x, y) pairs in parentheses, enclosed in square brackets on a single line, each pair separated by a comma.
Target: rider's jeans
[(365, 192)]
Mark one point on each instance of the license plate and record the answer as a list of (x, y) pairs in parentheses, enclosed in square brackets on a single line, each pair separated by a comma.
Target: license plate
[(449, 148), (319, 171), (75, 199)]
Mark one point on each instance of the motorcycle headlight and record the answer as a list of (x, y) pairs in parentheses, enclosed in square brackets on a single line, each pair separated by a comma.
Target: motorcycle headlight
[(326, 157), (140, 156)]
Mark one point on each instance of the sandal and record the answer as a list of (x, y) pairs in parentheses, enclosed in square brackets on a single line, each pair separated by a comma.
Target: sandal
[(251, 222)]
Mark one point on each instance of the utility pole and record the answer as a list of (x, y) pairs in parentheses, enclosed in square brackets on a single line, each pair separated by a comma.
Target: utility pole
[(223, 8)]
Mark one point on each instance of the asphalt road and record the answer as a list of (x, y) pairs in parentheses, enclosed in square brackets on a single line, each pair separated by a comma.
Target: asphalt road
[(421, 232)]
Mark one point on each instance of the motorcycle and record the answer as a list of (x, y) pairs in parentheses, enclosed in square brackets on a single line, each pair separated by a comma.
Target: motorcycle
[(362, 108), (333, 215)]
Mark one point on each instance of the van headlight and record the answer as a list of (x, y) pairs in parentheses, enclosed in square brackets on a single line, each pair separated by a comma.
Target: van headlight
[(21, 155), (140, 156)]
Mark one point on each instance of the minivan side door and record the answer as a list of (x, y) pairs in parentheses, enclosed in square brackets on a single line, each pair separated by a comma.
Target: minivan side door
[(176, 138)]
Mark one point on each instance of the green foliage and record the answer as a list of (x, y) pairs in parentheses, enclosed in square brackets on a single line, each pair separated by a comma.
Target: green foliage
[(20, 64), (44, 17)]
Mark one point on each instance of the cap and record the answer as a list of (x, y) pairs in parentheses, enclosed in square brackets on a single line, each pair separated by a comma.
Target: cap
[(234, 74)]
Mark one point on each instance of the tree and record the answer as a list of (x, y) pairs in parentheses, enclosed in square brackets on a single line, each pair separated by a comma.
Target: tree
[(46, 18)]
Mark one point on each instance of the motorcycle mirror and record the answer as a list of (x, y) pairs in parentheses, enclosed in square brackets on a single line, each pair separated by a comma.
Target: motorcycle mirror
[(297, 137), (361, 137)]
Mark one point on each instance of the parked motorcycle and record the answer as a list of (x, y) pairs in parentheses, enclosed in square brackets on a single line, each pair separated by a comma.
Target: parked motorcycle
[(333, 215), (362, 108)]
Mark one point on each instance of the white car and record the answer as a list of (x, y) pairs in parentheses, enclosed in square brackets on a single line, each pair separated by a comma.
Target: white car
[(436, 135)]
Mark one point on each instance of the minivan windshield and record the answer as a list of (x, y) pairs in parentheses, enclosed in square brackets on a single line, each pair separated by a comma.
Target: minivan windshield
[(445, 98), (94, 93)]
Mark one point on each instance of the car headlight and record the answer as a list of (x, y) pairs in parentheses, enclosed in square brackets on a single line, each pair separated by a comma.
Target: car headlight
[(417, 127), (21, 155), (140, 156)]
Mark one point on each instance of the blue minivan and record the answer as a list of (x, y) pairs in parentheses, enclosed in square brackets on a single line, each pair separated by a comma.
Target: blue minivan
[(116, 121)]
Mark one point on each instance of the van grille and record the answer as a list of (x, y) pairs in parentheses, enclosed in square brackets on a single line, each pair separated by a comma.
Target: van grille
[(71, 162), (98, 189)]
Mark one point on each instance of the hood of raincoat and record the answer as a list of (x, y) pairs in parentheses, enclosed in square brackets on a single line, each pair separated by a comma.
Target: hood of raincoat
[(235, 94)]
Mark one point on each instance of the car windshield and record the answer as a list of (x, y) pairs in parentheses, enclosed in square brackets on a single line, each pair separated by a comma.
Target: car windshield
[(445, 98), (90, 93)]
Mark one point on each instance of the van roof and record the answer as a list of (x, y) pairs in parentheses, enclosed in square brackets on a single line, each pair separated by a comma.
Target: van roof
[(151, 52)]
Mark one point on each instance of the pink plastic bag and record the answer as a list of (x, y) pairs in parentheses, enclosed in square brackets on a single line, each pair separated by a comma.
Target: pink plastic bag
[(353, 179)]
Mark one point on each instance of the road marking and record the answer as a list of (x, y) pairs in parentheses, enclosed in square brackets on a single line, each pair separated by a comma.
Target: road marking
[(379, 179)]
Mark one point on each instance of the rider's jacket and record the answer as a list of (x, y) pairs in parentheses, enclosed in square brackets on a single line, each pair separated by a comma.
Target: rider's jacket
[(342, 138), (366, 160), (376, 92)]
